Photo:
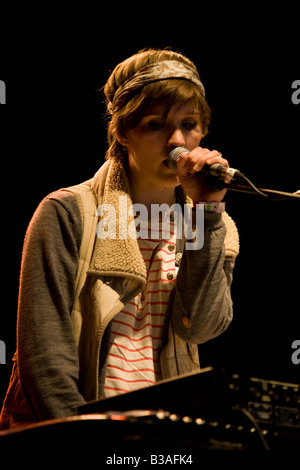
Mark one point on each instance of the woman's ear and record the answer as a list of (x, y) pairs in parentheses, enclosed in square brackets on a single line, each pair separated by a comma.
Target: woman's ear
[(122, 140)]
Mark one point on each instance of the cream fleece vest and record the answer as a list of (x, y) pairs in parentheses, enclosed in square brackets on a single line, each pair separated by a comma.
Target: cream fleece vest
[(116, 273)]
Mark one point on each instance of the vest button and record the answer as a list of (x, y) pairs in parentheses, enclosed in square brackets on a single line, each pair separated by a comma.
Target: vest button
[(170, 276), (178, 257), (171, 247), (186, 322)]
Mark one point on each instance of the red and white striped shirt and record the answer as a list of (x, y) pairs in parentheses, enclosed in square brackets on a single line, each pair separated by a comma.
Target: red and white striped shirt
[(136, 332)]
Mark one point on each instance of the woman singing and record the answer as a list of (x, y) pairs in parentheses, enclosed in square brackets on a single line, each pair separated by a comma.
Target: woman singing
[(104, 306)]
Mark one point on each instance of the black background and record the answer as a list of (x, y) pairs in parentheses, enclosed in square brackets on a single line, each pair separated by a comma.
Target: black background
[(53, 134)]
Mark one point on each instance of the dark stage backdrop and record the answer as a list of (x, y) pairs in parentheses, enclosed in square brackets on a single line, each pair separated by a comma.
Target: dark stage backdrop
[(53, 134)]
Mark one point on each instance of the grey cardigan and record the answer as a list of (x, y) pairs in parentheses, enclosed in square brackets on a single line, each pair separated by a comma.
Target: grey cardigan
[(46, 380)]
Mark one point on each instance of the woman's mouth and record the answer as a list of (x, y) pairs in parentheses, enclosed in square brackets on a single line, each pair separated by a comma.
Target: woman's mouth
[(165, 162)]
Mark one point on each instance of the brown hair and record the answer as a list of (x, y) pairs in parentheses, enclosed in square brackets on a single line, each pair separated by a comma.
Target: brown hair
[(165, 92)]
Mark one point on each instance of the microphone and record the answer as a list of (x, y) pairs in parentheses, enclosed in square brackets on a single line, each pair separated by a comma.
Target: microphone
[(216, 169)]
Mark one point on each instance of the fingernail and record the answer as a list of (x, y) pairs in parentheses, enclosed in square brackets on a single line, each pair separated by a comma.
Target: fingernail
[(181, 162)]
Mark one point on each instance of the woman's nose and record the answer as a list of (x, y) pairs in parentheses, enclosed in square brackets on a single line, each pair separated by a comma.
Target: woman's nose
[(176, 139)]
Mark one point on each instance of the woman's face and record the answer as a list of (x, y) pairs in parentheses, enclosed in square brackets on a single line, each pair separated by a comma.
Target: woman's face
[(150, 143)]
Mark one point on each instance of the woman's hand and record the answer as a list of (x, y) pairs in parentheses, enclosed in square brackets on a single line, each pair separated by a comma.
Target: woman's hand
[(197, 185)]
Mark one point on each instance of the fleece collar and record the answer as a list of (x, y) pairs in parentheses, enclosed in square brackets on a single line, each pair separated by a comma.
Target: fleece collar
[(122, 257), (116, 256)]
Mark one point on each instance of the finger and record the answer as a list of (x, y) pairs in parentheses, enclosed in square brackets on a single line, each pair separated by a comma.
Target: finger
[(217, 159), (196, 159), (206, 157), (181, 164)]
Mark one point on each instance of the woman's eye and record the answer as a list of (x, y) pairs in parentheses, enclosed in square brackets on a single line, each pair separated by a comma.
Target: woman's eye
[(155, 125), (158, 124), (189, 124)]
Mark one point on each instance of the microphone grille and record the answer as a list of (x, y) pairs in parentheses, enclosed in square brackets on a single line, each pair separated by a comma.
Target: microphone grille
[(174, 155)]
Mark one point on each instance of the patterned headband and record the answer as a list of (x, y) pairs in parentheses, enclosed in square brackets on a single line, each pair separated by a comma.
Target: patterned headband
[(163, 70)]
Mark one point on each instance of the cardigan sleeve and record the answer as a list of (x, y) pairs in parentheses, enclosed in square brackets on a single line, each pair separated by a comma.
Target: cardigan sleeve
[(47, 352), (202, 307)]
